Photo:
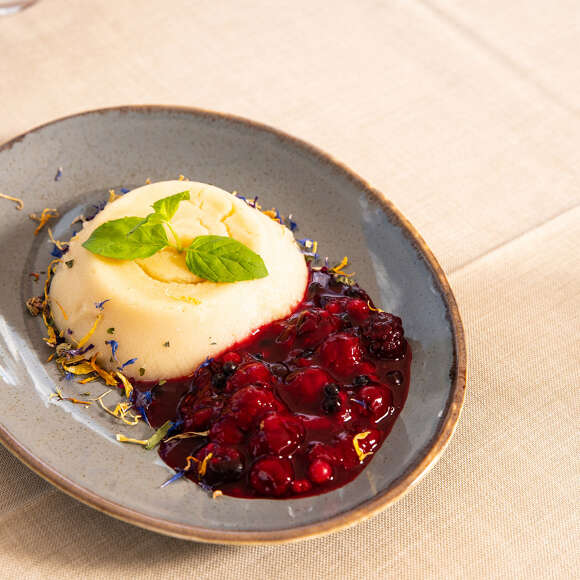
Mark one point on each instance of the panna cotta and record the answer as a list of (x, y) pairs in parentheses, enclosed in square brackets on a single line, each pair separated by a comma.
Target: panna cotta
[(153, 312)]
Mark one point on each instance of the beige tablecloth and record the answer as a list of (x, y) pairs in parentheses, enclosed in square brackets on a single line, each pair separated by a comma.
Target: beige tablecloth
[(467, 114)]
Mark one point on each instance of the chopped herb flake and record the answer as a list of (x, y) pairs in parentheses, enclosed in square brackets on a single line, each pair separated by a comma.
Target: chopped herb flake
[(70, 263), (141, 371), (166, 344), (111, 330)]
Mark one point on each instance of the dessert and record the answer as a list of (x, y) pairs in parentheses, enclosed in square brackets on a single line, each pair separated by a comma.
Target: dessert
[(155, 301), (265, 374)]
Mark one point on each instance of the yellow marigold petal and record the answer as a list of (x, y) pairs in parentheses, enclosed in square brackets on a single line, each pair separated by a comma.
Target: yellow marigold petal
[(189, 459), (83, 368), (113, 196), (107, 377), (189, 434), (78, 401), (343, 264), (64, 314), (123, 439), (359, 437), (19, 203), (60, 245), (202, 467), (90, 333), (46, 215), (128, 386)]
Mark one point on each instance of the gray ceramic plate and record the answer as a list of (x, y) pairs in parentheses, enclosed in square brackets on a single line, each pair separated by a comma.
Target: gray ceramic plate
[(74, 448)]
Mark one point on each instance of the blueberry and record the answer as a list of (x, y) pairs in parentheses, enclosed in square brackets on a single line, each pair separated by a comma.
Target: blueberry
[(331, 390), (229, 368), (218, 381), (331, 404), (361, 380)]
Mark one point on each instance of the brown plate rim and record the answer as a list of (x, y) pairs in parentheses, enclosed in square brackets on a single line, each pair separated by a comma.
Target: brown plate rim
[(428, 456)]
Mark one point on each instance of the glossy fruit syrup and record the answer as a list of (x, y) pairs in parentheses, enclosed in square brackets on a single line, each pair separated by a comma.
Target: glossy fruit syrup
[(298, 408)]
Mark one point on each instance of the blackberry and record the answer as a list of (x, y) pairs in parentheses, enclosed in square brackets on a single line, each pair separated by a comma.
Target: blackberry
[(384, 336)]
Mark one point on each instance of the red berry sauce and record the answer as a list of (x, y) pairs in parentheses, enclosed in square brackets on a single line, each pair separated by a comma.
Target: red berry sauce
[(296, 409)]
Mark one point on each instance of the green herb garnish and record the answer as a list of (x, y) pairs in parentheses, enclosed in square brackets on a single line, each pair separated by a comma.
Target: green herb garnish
[(141, 371), (127, 238), (70, 263), (158, 436), (222, 259), (111, 330), (166, 344), (214, 258)]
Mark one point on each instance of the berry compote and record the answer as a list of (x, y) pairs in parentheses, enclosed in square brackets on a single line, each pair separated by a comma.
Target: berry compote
[(296, 409)]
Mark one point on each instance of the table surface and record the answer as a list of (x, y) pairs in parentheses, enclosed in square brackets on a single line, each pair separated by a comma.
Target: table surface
[(467, 115)]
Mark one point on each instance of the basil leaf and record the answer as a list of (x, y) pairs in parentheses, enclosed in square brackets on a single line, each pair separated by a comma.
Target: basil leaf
[(222, 259), (167, 206), (126, 239), (152, 219)]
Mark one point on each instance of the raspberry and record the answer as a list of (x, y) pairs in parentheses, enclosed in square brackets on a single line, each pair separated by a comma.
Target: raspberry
[(304, 390), (280, 434), (336, 306), (341, 354), (384, 336), (249, 374), (271, 476), (251, 403), (198, 413), (231, 357), (313, 326), (226, 431)]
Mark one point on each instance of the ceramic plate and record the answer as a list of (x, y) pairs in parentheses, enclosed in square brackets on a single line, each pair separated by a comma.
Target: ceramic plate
[(74, 448)]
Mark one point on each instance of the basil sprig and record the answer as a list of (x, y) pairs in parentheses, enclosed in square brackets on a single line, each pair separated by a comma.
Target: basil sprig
[(214, 258)]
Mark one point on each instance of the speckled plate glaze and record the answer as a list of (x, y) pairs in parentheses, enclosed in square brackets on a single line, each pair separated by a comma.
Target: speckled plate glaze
[(74, 447)]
